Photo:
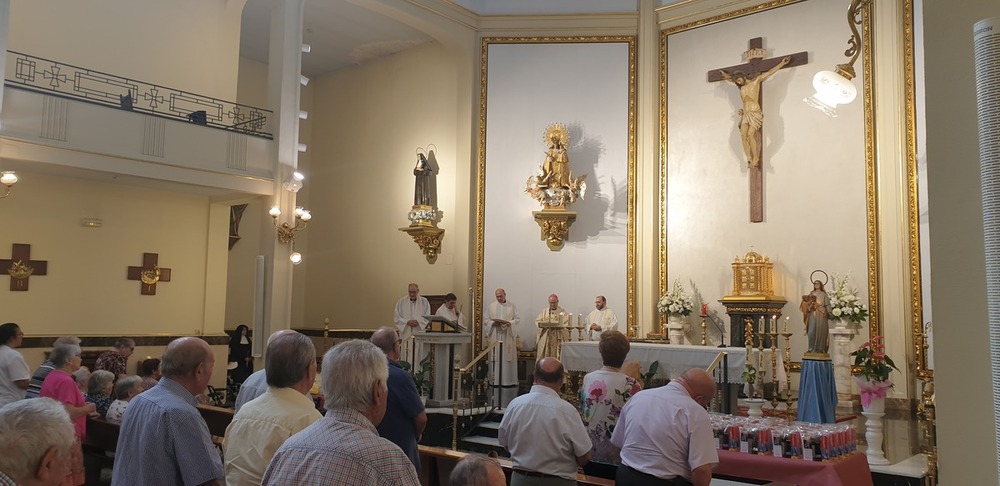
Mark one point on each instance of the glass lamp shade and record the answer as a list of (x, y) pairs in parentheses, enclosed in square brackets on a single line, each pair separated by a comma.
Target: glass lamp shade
[(275, 211), (8, 178), (832, 89), (295, 257)]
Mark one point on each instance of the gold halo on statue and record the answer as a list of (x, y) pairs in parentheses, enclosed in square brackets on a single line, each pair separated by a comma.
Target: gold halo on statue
[(557, 129), (827, 277)]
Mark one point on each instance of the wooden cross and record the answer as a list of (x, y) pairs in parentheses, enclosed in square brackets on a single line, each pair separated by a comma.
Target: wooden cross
[(149, 273), (20, 266), (748, 78)]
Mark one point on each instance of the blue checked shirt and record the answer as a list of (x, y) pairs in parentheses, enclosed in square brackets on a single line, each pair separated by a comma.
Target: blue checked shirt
[(341, 449), (164, 441)]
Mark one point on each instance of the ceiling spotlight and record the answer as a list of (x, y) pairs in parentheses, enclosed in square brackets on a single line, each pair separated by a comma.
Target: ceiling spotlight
[(306, 48), (302, 147), (293, 184), (303, 114), (304, 80), (295, 257)]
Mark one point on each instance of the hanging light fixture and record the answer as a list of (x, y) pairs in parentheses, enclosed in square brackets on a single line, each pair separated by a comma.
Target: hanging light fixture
[(835, 88), (7, 178)]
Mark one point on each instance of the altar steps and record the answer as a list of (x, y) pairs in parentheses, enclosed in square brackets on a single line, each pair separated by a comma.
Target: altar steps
[(483, 438)]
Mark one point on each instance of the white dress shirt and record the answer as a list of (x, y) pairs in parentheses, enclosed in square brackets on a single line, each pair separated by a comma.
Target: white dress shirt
[(665, 433), (544, 433)]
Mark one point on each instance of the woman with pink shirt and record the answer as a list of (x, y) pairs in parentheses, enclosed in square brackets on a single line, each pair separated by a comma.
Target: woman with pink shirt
[(60, 386)]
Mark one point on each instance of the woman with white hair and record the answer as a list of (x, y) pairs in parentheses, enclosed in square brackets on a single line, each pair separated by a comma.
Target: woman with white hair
[(125, 390), (61, 387), (99, 390)]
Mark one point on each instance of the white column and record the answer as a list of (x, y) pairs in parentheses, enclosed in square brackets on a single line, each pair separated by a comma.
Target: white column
[(646, 154), (840, 354), (284, 67)]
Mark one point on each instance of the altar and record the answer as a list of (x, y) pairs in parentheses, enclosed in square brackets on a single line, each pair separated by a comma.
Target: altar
[(674, 358)]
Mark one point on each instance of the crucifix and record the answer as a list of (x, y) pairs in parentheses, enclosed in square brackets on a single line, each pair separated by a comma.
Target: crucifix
[(149, 273), (20, 266), (748, 77)]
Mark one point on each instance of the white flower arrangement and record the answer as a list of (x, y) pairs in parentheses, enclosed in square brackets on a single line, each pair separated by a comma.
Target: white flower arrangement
[(844, 301), (676, 302)]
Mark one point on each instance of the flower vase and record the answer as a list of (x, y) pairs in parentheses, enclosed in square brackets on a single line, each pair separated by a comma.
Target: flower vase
[(755, 407), (873, 430), (675, 329)]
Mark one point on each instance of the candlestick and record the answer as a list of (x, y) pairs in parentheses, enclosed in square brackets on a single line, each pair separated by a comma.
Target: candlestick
[(786, 325), (704, 309), (774, 366)]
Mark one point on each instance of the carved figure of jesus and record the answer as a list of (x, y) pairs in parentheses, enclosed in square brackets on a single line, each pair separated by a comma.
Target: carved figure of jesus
[(751, 115)]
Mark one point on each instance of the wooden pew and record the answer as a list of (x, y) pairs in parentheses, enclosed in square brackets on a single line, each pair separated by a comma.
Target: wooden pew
[(436, 464), (102, 435)]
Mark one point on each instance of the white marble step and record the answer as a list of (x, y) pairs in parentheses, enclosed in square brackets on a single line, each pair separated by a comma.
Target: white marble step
[(490, 425), (478, 439)]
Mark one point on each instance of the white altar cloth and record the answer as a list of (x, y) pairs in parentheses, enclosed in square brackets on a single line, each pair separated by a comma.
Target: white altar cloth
[(673, 358)]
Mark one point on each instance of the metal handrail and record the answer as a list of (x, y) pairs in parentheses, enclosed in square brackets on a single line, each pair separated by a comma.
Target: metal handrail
[(457, 389), (90, 85), (715, 362), (478, 358)]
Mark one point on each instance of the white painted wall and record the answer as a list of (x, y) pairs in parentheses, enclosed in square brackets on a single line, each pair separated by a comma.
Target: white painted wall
[(195, 42), (814, 166), (585, 87), (961, 340), (366, 125)]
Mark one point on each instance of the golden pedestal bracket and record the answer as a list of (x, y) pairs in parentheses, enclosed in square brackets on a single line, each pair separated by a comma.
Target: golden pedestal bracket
[(424, 231), (555, 225)]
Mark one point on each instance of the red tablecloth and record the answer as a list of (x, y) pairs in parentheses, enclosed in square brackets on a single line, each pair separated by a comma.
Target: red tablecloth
[(849, 471)]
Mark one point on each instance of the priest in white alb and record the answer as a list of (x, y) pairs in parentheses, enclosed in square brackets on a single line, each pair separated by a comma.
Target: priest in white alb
[(409, 318), (449, 310), (501, 325), (601, 319), (548, 345)]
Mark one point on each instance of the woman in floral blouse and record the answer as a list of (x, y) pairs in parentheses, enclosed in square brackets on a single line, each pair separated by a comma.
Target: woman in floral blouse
[(603, 395)]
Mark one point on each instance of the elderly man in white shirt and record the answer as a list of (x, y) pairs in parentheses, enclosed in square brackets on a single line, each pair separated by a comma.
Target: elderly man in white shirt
[(409, 318), (601, 319), (665, 434), (264, 423), (503, 324), (544, 433)]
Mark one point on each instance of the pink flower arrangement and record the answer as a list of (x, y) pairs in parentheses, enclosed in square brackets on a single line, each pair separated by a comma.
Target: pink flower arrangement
[(875, 366)]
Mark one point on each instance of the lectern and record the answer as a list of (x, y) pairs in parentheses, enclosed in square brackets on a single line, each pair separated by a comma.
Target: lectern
[(443, 362)]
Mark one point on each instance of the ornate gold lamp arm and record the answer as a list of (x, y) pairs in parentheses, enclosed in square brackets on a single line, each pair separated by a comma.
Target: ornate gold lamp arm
[(854, 43)]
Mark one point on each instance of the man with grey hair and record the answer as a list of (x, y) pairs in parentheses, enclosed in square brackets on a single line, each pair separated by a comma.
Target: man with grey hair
[(405, 417), (256, 384), (163, 439), (343, 448), (476, 470), (36, 440), (264, 423), (35, 385)]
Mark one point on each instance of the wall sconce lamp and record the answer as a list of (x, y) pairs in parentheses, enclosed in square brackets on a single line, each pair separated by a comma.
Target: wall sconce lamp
[(7, 178), (835, 87), (286, 232)]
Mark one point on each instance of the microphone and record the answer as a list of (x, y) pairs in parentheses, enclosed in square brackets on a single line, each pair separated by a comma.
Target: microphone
[(722, 332)]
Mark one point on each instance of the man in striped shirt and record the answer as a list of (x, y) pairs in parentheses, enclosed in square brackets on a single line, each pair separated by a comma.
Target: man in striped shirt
[(343, 448)]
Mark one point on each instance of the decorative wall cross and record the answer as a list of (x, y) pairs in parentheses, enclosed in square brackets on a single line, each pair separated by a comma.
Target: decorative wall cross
[(149, 273), (748, 78), (20, 266)]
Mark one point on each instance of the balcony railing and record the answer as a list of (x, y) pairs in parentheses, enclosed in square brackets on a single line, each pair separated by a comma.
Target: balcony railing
[(52, 77)]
